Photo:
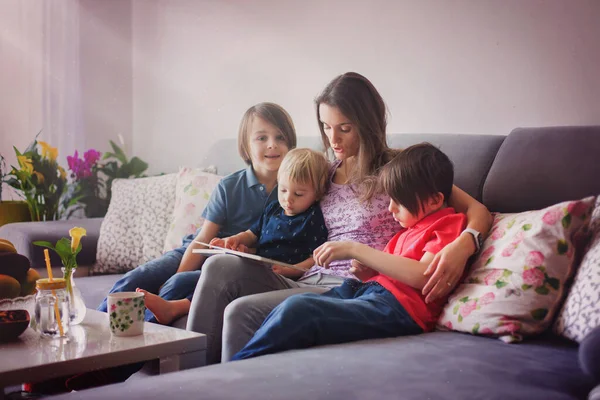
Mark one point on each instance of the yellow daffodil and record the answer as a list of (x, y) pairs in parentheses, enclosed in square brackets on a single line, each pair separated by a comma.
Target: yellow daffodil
[(48, 151), (63, 173), (26, 164), (40, 177), (76, 234)]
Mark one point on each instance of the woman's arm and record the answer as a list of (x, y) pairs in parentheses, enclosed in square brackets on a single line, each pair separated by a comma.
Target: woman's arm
[(447, 267), (191, 261)]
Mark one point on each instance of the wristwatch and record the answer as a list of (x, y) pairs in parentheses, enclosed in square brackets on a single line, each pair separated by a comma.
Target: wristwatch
[(477, 237)]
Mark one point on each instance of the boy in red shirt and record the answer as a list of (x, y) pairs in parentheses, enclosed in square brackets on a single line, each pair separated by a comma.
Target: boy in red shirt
[(388, 302)]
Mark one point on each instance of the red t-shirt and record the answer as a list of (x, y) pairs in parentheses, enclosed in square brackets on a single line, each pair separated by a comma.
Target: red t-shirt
[(431, 234)]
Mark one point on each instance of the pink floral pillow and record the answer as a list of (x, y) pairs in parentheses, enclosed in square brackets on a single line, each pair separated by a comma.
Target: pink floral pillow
[(192, 193), (515, 286)]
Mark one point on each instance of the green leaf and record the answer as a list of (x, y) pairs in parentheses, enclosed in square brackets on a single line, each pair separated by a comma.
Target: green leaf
[(137, 167), (526, 227), (543, 290), (566, 221), (500, 284), (43, 243), (489, 260), (562, 246), (510, 224), (507, 273), (119, 154), (460, 318), (475, 329), (553, 282), (526, 287), (539, 313), (464, 299), (455, 309)]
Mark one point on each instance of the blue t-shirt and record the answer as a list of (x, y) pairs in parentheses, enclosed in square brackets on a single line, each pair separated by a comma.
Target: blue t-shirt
[(289, 239), (237, 202)]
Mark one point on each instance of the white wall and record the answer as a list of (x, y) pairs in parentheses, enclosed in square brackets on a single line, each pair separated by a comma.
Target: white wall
[(461, 66), (65, 70)]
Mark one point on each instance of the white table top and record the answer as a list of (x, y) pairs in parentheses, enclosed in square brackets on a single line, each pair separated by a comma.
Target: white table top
[(89, 346)]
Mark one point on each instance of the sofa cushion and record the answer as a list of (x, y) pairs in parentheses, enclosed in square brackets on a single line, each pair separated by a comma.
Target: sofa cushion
[(581, 311), (438, 365), (538, 167), (134, 229), (515, 286), (192, 193)]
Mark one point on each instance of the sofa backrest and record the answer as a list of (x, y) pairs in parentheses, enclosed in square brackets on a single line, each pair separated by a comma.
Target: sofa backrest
[(472, 155), (538, 167)]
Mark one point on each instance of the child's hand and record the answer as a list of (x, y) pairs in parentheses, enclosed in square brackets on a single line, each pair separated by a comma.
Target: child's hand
[(361, 271), (331, 251), (217, 242)]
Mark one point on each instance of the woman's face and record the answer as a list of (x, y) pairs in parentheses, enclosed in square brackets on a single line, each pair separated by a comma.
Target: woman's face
[(341, 133), (267, 146)]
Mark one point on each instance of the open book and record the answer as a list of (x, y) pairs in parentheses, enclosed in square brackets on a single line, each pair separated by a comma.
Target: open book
[(212, 250)]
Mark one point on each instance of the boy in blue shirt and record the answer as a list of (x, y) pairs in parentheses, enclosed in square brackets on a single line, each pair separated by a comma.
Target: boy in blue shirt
[(292, 228)]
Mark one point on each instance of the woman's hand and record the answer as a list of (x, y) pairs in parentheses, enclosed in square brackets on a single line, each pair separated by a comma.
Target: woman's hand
[(331, 251), (447, 268), (361, 271)]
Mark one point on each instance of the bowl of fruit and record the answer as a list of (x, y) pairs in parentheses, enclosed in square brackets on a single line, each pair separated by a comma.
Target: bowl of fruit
[(12, 324), (17, 280)]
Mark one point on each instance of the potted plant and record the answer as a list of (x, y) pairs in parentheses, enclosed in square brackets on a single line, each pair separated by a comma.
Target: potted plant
[(10, 211), (40, 180)]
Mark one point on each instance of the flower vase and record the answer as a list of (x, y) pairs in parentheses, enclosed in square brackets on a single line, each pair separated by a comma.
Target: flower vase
[(76, 303)]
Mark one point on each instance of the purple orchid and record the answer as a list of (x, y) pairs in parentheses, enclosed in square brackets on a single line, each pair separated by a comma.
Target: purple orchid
[(82, 168)]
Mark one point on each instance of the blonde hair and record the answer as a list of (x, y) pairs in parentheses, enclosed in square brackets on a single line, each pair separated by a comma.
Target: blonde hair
[(308, 167), (273, 114)]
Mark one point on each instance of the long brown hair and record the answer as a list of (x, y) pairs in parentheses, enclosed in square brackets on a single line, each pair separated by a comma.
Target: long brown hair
[(273, 114), (359, 101)]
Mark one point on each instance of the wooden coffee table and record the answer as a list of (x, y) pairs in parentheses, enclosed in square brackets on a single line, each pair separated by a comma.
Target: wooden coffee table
[(91, 346)]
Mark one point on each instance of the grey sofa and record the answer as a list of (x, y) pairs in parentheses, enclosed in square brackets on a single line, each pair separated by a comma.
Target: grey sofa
[(527, 169)]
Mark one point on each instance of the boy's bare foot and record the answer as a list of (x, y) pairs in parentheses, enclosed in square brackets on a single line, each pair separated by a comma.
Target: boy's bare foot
[(162, 309)]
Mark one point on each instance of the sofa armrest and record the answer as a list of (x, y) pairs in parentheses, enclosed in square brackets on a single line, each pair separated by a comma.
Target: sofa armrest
[(589, 354), (23, 234)]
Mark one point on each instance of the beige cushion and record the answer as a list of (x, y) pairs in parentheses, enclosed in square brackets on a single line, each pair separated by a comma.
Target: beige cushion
[(515, 287), (194, 186), (134, 228)]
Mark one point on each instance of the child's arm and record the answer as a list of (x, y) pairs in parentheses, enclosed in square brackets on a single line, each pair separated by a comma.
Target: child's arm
[(292, 273), (191, 261), (247, 239), (403, 269)]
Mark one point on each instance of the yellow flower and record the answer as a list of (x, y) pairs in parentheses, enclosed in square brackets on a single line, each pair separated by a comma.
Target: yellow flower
[(63, 173), (39, 176), (76, 234), (48, 151), (26, 164)]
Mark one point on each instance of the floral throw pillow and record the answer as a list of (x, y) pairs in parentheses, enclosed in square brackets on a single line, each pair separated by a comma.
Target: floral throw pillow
[(581, 311), (194, 187), (134, 228), (515, 286)]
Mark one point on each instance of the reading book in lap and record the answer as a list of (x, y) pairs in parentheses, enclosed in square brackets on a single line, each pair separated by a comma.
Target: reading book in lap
[(212, 250)]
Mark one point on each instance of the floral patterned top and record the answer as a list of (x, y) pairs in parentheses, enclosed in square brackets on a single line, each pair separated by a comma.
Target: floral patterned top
[(346, 218)]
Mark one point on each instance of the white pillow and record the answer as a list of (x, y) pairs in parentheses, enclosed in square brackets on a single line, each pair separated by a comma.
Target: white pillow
[(136, 223), (194, 187)]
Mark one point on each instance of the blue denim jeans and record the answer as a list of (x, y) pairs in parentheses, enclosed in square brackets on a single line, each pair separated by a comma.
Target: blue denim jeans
[(159, 276), (350, 312)]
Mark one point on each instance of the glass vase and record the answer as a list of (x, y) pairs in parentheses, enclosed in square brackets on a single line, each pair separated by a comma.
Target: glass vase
[(77, 306)]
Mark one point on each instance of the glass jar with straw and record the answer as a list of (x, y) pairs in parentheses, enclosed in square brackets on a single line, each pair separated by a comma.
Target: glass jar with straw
[(52, 305)]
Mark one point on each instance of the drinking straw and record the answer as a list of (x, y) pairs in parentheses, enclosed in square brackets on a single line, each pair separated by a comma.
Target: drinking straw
[(50, 279)]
